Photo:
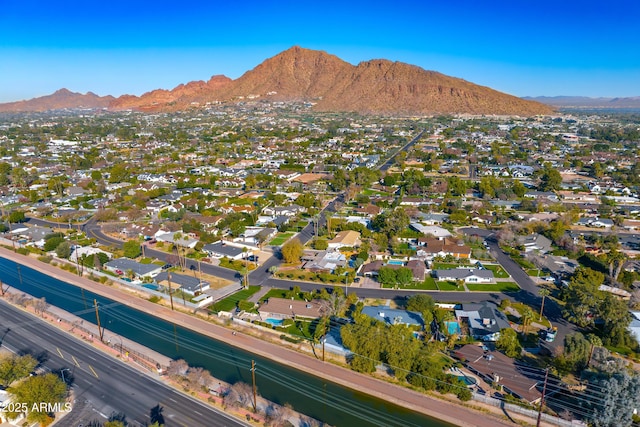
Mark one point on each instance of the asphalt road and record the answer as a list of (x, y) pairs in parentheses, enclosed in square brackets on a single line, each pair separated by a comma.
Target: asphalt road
[(107, 383), (528, 293)]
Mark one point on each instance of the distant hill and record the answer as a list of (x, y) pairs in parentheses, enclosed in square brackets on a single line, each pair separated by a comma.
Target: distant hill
[(586, 102), (60, 99), (378, 86)]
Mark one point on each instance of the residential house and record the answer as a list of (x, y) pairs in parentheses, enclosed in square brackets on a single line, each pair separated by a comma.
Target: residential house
[(177, 238), (595, 222), (417, 267), (283, 308), (432, 230), (483, 320), (431, 248), (392, 316), (432, 218), (324, 261), (190, 285), (289, 211), (500, 370), (221, 249), (535, 242), (469, 275), (122, 266), (346, 238)]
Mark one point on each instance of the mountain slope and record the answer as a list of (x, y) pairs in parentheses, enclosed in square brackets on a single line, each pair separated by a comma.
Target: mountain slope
[(377, 86), (60, 99)]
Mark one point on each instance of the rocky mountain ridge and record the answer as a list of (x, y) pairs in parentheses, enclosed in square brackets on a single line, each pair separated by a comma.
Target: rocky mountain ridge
[(377, 86)]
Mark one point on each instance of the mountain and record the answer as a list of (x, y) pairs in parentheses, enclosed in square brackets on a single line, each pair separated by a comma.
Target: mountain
[(60, 99), (378, 86), (586, 102)]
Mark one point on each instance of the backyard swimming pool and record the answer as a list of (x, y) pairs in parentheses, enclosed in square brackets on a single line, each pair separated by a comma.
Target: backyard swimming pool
[(395, 262), (453, 328), (151, 286), (468, 380), (274, 322)]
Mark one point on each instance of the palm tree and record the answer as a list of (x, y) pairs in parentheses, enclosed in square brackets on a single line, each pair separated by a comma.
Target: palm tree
[(616, 260), (543, 292), (245, 273), (527, 317)]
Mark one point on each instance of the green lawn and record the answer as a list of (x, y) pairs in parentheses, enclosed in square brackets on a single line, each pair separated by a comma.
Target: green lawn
[(237, 265), (276, 293), (230, 302), (534, 272), (445, 266), (494, 287), (370, 192), (448, 286), (281, 238), (429, 284), (498, 271)]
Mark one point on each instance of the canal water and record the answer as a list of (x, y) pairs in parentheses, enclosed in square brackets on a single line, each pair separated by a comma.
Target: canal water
[(325, 401)]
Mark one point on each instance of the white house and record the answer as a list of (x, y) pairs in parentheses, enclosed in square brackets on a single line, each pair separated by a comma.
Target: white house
[(469, 275)]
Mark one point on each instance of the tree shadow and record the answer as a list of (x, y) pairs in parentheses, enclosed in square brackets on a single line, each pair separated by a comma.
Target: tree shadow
[(156, 414), (40, 356)]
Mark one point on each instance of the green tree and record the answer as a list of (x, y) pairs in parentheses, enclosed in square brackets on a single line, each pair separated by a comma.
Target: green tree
[(550, 180), (63, 250), (404, 276), (614, 316), (52, 241), (387, 276), (132, 249), (518, 188), (33, 392), (119, 173), (582, 296), (420, 303), (320, 244), (292, 251), (508, 343), (400, 348), (17, 216), (14, 367)]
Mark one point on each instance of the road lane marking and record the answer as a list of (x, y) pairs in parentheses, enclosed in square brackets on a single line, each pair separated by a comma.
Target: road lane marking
[(60, 353), (75, 361), (93, 371)]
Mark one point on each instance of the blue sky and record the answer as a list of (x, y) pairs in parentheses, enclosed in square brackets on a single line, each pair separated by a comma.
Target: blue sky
[(521, 47)]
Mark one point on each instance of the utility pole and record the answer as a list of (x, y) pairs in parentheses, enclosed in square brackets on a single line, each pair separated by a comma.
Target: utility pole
[(170, 290), (253, 379), (200, 273), (544, 390), (100, 330)]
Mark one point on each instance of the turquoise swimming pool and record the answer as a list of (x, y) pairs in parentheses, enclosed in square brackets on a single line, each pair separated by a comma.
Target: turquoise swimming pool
[(395, 262), (151, 286), (274, 322)]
